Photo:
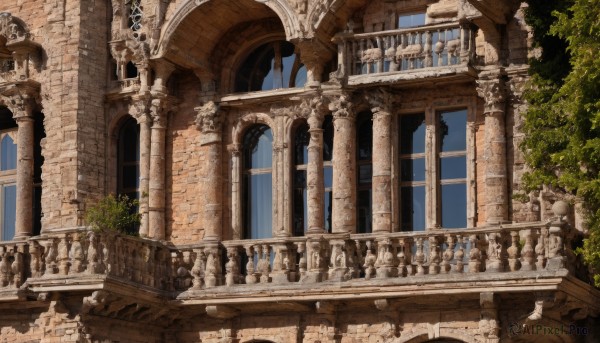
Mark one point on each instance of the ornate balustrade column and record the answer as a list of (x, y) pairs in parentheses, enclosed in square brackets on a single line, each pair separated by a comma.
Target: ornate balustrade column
[(156, 184), (491, 89), (382, 162), (209, 122), (22, 112), (314, 169), (344, 166)]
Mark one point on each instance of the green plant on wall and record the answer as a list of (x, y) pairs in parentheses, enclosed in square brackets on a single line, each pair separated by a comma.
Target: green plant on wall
[(114, 214)]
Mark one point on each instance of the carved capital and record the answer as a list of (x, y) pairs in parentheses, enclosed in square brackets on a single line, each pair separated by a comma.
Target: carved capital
[(314, 109), (208, 118), (493, 92), (380, 101), (139, 108), (342, 107)]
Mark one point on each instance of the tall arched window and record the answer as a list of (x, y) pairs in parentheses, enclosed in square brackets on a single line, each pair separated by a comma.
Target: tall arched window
[(328, 169), (301, 140), (364, 137), (8, 174), (128, 157), (273, 65), (257, 189)]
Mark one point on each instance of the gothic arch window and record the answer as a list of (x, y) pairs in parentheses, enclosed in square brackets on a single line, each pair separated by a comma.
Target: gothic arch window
[(364, 158), (301, 140), (272, 65), (128, 160), (8, 174), (257, 190)]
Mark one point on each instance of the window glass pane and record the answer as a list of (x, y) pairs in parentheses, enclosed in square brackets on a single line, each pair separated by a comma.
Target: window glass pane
[(364, 211), (300, 208), (8, 153), (453, 131), (412, 169), (287, 63), (300, 79), (413, 208), (130, 177), (364, 174), (328, 202), (364, 136), (328, 138), (258, 146), (454, 206), (411, 20), (328, 176), (259, 201), (9, 208), (453, 167), (301, 144), (412, 134)]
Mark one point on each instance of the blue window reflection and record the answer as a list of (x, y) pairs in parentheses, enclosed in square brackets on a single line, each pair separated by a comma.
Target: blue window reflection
[(453, 131), (454, 205), (8, 154), (9, 208), (258, 199), (413, 208), (411, 20), (412, 135)]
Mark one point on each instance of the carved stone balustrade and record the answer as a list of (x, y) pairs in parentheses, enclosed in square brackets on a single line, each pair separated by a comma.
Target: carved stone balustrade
[(431, 47), (130, 85)]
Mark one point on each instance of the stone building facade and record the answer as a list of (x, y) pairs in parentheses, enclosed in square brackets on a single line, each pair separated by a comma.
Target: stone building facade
[(308, 171)]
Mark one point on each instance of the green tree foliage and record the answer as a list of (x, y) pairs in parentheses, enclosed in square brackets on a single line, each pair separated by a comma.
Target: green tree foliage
[(114, 214), (562, 124)]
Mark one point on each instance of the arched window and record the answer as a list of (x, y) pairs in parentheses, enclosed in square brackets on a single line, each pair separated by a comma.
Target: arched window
[(257, 187), (128, 157), (364, 137), (8, 174), (273, 65), (301, 140), (328, 169)]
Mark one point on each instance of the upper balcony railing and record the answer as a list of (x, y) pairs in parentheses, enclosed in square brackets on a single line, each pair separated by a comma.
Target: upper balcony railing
[(427, 47), (85, 258)]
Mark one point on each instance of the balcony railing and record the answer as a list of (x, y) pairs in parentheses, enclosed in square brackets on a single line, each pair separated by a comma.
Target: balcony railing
[(82, 257), (435, 46), (126, 85)]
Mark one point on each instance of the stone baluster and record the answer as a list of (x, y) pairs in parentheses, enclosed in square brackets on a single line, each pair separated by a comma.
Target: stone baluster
[(385, 258), (370, 259), (434, 255), (494, 251), (338, 265), (213, 266), (557, 258), (419, 256), (315, 260), (401, 256), (50, 258), (527, 253), (513, 252), (107, 258), (344, 166), (460, 254), (251, 276), (92, 254), (492, 89), (232, 266), (208, 120), (76, 255), (198, 269), (540, 249), (352, 260), (4, 266), (281, 264), (448, 254), (35, 262), (264, 265), (302, 263), (18, 267), (63, 255), (428, 49), (474, 255), (150, 278)]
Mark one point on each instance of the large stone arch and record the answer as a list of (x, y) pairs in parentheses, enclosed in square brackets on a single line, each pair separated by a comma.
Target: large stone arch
[(281, 8)]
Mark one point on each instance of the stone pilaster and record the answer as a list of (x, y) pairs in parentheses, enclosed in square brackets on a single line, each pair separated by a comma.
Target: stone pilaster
[(208, 121), (382, 161), (314, 169), (156, 184), (344, 165), (492, 90), (22, 112)]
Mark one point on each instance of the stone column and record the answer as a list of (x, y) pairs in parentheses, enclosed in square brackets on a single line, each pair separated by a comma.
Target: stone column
[(491, 89), (208, 121), (236, 196), (344, 166), (24, 219), (156, 189), (139, 110), (382, 162), (314, 169)]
